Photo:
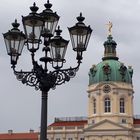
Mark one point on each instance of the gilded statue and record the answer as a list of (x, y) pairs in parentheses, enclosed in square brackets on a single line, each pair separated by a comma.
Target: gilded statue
[(110, 25)]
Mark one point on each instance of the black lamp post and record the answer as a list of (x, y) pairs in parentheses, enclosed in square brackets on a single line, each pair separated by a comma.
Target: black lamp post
[(43, 25)]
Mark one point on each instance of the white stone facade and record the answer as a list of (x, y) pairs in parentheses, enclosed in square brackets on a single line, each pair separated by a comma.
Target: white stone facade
[(111, 119)]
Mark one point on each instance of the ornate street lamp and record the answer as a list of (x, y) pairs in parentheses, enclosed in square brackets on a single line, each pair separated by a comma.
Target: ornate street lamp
[(38, 26)]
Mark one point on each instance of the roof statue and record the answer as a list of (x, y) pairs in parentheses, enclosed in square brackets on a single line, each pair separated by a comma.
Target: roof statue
[(110, 25)]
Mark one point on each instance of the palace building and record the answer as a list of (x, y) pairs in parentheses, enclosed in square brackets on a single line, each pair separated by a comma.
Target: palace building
[(110, 105)]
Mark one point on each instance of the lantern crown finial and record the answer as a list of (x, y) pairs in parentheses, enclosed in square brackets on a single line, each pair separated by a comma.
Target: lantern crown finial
[(15, 24), (48, 5), (80, 18), (58, 31), (34, 8)]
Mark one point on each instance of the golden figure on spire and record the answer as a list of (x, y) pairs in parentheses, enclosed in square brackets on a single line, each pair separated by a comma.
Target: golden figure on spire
[(110, 25)]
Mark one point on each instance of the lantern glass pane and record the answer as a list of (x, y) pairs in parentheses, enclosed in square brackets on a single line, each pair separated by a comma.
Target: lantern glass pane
[(14, 43), (14, 58), (57, 56), (7, 43), (14, 46), (79, 38), (58, 50), (21, 44), (50, 25), (73, 41), (87, 39), (81, 42), (33, 29)]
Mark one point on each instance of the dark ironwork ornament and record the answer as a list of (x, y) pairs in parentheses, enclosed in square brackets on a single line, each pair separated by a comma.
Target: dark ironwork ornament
[(39, 77), (44, 81)]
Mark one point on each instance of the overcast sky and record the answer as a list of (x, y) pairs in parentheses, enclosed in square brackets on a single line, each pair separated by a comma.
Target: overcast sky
[(20, 105)]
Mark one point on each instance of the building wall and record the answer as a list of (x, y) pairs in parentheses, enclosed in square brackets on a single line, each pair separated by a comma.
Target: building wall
[(117, 91), (103, 125), (65, 133)]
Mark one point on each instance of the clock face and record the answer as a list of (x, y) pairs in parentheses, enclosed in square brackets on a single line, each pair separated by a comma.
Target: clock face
[(106, 89)]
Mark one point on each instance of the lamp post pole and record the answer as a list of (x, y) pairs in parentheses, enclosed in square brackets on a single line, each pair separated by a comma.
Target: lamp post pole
[(38, 26), (44, 116)]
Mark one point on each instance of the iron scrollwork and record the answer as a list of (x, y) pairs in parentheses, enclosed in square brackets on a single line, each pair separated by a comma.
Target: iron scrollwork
[(65, 75), (44, 80), (28, 78)]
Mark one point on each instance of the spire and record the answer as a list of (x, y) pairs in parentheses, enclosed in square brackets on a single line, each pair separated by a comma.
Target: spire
[(110, 45)]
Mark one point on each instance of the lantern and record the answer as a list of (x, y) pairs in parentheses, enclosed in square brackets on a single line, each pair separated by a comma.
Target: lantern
[(80, 35), (50, 20), (58, 47), (33, 25), (14, 40)]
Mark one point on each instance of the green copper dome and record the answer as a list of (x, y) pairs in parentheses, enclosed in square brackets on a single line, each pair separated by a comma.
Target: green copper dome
[(110, 69)]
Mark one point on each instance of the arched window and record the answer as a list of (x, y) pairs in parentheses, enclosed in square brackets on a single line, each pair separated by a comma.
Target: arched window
[(122, 105), (107, 104), (94, 106)]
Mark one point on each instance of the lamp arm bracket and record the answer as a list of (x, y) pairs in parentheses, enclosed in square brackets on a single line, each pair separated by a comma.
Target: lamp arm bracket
[(64, 75), (43, 80), (27, 77)]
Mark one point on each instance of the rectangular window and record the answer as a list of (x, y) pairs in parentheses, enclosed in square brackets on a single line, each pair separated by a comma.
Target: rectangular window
[(93, 121), (122, 105), (123, 120), (69, 138), (57, 138), (107, 105), (94, 106)]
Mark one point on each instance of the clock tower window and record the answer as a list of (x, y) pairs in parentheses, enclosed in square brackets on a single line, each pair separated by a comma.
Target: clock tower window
[(107, 105), (122, 105), (94, 106)]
